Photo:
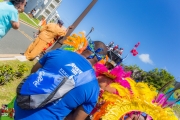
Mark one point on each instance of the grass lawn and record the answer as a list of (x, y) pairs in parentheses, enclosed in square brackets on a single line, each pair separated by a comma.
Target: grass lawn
[(23, 17), (36, 20), (7, 91)]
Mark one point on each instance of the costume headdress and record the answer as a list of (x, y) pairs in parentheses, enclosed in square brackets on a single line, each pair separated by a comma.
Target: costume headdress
[(116, 106), (95, 53), (75, 43), (78, 44), (117, 74), (114, 54)]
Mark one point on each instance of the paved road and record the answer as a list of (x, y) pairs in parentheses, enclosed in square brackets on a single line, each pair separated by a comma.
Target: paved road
[(17, 41)]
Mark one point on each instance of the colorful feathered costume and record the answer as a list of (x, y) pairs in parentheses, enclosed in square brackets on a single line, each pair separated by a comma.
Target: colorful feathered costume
[(117, 74), (75, 43), (139, 98)]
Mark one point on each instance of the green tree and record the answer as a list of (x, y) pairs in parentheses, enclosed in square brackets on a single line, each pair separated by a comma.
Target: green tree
[(137, 73), (156, 77)]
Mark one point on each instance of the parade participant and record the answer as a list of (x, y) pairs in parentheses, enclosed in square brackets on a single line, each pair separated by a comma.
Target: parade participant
[(9, 17), (67, 63), (107, 77), (139, 100), (46, 35), (116, 75), (74, 43)]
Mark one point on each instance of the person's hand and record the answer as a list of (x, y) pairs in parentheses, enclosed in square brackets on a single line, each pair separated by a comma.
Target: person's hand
[(15, 25)]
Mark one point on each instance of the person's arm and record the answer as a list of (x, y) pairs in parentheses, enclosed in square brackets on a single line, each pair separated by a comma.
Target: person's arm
[(43, 28), (14, 17), (40, 63), (60, 31), (79, 114), (36, 67), (15, 25), (110, 89)]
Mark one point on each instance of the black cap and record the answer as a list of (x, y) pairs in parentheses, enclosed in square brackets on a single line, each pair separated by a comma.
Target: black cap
[(60, 22)]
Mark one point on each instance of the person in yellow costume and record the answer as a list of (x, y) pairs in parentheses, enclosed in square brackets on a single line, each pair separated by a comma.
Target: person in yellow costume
[(46, 35)]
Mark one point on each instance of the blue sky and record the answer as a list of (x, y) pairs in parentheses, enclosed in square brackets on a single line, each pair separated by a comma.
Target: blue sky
[(153, 23)]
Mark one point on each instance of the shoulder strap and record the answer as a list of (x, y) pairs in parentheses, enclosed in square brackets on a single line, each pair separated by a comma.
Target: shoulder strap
[(85, 77)]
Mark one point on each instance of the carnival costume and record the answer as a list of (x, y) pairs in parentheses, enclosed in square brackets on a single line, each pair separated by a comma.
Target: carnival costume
[(139, 99), (117, 74), (75, 43), (131, 97)]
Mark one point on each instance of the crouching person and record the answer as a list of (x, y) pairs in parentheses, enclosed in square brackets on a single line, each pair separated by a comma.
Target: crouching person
[(80, 86)]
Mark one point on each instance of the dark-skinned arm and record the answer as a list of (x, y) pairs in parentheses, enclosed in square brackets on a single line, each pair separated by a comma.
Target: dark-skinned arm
[(36, 67), (78, 114)]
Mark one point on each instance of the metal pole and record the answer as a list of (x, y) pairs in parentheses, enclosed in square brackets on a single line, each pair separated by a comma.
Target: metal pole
[(75, 24), (92, 29)]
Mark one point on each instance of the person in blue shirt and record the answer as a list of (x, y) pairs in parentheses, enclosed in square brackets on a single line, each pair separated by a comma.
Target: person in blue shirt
[(9, 17), (82, 99)]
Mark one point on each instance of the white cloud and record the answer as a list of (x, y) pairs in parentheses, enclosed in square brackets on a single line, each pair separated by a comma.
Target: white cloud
[(145, 58)]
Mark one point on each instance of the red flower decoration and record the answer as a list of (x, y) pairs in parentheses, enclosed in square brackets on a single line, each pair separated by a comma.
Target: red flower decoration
[(134, 52)]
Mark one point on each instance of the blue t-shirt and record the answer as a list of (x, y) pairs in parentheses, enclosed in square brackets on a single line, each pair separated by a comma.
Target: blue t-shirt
[(8, 13), (66, 63)]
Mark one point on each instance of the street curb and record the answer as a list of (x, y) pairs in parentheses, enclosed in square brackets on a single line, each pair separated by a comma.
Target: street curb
[(5, 57), (20, 57), (9, 55), (28, 24)]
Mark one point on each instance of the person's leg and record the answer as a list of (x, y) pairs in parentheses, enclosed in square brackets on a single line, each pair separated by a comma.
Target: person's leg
[(35, 49), (31, 47)]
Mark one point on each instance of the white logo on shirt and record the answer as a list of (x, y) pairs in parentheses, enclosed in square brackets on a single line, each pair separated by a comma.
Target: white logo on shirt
[(75, 70), (39, 79)]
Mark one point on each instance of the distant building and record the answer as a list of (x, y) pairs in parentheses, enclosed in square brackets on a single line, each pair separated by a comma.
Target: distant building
[(53, 17), (46, 8), (33, 4)]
